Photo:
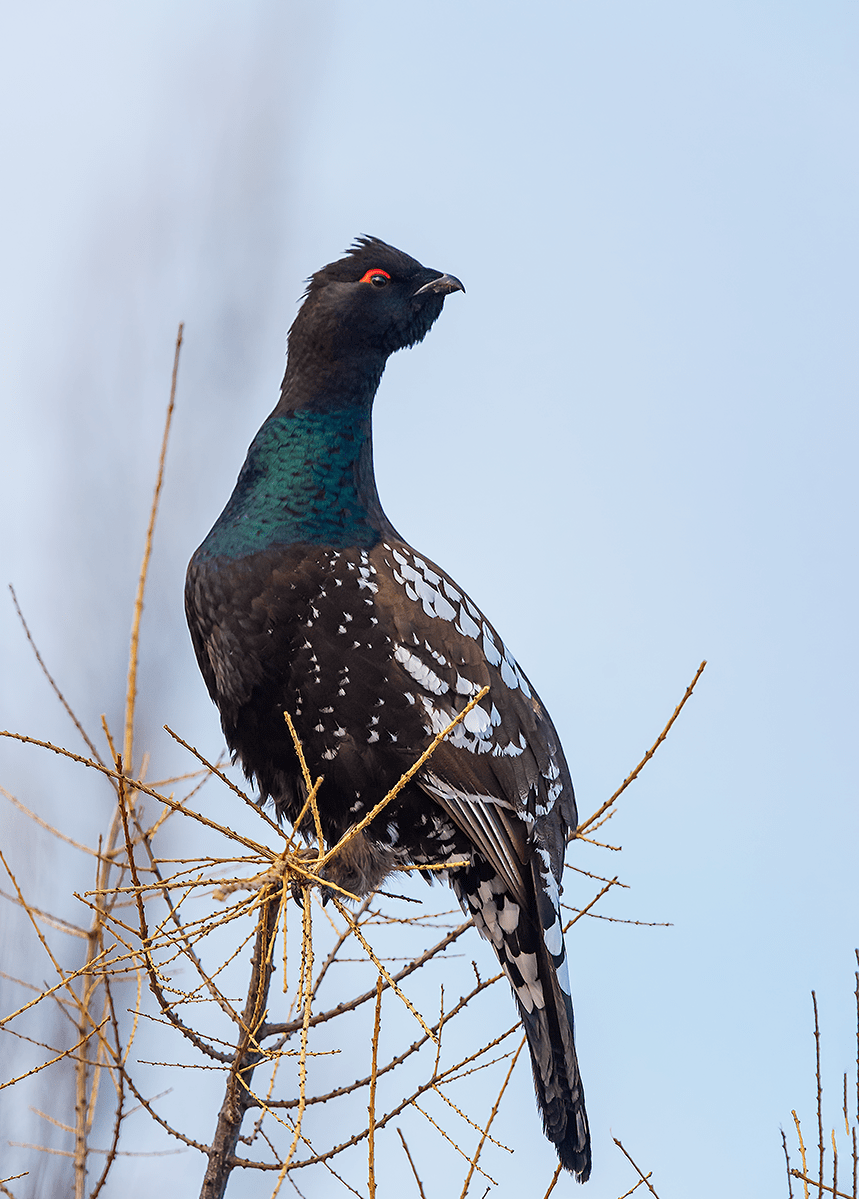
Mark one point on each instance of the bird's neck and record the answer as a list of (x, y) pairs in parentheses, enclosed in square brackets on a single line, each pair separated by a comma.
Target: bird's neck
[(308, 477), (320, 379)]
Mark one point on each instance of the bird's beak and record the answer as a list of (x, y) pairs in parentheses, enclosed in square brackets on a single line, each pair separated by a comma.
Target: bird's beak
[(443, 285)]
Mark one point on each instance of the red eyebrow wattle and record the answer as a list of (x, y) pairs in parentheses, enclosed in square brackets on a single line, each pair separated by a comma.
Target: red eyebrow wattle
[(368, 275)]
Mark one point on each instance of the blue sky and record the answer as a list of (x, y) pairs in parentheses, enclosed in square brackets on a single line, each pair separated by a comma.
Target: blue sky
[(632, 440)]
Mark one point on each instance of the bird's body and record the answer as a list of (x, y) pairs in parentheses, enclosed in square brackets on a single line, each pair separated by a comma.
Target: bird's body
[(304, 599)]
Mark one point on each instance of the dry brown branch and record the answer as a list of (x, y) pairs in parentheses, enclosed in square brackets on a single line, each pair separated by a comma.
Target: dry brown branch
[(804, 1174), (821, 1186), (819, 1092), (586, 824), (134, 650), (169, 935), (586, 910), (371, 1105), (802, 1153), (472, 1165), (238, 1097), (421, 1191), (834, 1162), (641, 1182), (644, 1179), (554, 1181), (51, 681), (49, 828), (787, 1164)]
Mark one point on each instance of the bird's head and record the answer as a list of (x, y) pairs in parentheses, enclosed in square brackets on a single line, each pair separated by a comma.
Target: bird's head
[(372, 302)]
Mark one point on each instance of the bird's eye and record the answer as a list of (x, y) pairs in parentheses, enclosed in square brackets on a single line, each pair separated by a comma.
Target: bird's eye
[(377, 277)]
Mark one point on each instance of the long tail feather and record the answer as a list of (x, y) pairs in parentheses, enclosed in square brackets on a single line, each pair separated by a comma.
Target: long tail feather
[(530, 947)]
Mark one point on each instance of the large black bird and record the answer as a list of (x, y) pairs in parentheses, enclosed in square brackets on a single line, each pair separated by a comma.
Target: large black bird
[(305, 599)]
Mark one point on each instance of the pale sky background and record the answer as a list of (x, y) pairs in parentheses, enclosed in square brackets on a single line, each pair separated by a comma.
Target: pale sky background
[(633, 441)]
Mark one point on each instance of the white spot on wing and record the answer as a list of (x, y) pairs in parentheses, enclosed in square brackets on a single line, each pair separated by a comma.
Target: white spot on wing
[(508, 674), (490, 649), (466, 625), (477, 721), (420, 672)]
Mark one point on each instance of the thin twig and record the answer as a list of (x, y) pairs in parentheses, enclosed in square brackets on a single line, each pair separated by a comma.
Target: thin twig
[(795, 1173), (787, 1165), (644, 1177), (371, 1105), (804, 1179), (412, 1164), (54, 687), (131, 693), (819, 1093), (586, 824), (472, 1166), (555, 1178)]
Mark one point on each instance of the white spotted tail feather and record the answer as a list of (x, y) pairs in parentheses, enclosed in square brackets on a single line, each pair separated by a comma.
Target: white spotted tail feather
[(524, 929)]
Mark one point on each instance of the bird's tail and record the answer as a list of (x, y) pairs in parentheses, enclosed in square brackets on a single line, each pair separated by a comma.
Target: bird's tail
[(528, 941)]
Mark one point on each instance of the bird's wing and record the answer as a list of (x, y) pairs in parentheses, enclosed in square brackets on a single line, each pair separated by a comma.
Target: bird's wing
[(489, 824), (504, 760)]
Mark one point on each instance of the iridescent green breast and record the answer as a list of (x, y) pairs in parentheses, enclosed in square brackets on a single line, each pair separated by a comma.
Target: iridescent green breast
[(308, 477)]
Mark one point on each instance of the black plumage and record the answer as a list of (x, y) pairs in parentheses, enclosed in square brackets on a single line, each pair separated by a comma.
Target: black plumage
[(304, 599)]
